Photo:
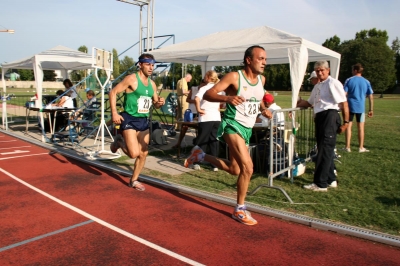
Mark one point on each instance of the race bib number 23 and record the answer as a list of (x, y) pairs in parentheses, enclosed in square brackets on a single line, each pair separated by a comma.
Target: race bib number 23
[(144, 104)]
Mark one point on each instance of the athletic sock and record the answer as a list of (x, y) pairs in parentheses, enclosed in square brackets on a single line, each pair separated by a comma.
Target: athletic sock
[(240, 207)]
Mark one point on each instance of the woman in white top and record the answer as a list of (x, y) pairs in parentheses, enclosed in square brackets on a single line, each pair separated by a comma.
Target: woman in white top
[(209, 117)]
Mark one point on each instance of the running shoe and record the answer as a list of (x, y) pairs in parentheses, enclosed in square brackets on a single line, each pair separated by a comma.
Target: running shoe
[(136, 185), (114, 146), (314, 187), (197, 155), (244, 216)]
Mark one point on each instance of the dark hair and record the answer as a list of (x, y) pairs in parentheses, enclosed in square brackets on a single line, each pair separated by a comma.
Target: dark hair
[(358, 68), (59, 92), (143, 56), (67, 81), (249, 52), (90, 92)]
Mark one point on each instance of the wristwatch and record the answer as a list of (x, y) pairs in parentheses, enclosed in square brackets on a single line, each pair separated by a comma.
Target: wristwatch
[(345, 122)]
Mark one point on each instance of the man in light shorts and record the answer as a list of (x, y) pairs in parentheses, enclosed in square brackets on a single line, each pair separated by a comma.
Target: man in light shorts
[(357, 88), (244, 91)]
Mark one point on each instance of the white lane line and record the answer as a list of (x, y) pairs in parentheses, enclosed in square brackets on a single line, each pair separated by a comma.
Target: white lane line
[(13, 152), (110, 226), (7, 158), (15, 147)]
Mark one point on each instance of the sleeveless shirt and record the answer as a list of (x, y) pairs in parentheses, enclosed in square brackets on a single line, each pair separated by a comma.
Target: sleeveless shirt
[(138, 102), (246, 112)]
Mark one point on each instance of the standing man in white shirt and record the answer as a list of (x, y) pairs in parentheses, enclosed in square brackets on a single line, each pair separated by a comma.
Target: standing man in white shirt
[(327, 97)]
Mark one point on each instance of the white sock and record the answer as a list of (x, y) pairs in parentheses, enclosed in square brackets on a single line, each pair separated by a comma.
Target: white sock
[(238, 206)]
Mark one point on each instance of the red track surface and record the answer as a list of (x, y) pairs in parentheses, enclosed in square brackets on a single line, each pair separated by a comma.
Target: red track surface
[(197, 229)]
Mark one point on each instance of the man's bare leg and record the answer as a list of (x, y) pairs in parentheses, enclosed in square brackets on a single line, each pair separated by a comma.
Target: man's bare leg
[(360, 126), (348, 135), (143, 140), (239, 153)]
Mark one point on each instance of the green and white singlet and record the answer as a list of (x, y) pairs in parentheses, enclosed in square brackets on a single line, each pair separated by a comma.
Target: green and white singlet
[(240, 119), (138, 102), (246, 113)]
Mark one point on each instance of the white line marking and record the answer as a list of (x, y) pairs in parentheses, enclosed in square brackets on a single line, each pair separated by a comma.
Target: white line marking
[(12, 152), (15, 147), (9, 140), (6, 158), (110, 226)]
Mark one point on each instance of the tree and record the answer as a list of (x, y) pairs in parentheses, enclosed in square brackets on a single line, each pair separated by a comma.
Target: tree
[(26, 74), (372, 33), (49, 75), (396, 50), (125, 64), (332, 43), (375, 56), (116, 72)]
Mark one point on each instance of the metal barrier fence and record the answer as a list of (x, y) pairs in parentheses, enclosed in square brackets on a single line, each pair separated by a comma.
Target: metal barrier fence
[(284, 146)]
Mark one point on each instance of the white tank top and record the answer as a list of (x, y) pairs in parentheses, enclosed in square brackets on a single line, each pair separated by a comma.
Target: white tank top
[(246, 113)]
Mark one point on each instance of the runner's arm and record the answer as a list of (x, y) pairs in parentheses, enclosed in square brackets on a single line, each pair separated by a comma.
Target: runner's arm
[(157, 101)]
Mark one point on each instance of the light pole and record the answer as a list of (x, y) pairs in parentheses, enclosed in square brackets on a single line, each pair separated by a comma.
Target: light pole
[(9, 31)]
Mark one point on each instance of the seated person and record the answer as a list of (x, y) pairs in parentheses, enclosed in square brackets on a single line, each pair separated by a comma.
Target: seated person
[(278, 119), (66, 102), (69, 86), (90, 100)]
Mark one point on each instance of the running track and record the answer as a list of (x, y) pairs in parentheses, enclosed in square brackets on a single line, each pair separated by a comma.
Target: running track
[(58, 211)]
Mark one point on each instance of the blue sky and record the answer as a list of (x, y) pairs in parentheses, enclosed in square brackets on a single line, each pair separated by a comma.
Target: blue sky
[(42, 24)]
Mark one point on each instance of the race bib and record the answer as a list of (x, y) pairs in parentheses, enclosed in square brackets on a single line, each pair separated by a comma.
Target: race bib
[(144, 104), (251, 109)]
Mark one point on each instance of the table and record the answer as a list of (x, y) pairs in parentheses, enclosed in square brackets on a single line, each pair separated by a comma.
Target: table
[(194, 124), (49, 112)]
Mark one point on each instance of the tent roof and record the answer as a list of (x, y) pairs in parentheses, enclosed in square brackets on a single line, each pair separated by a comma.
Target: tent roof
[(227, 48), (57, 58)]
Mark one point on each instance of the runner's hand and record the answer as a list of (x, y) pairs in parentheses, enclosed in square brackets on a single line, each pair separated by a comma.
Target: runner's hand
[(267, 113), (117, 119), (235, 100)]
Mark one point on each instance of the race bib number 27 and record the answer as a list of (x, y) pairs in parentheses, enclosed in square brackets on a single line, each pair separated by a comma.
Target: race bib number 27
[(144, 104)]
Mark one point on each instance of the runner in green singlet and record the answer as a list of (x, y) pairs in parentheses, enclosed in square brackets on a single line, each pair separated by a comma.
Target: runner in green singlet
[(244, 92), (140, 94)]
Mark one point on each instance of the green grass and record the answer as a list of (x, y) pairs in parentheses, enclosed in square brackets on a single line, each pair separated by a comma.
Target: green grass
[(369, 183)]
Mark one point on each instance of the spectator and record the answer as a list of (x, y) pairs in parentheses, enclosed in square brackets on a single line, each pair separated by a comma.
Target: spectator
[(269, 102), (69, 86), (327, 97), (357, 88), (209, 117), (190, 99), (182, 91)]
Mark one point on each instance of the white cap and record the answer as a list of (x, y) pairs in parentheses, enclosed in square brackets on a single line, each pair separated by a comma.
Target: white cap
[(313, 75)]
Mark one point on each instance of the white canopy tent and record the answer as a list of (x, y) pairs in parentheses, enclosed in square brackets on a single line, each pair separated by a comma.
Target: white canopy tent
[(58, 58), (227, 49)]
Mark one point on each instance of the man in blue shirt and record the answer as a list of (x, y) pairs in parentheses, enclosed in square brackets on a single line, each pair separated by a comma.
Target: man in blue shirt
[(357, 89)]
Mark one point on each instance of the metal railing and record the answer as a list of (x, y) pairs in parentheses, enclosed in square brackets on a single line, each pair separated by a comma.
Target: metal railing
[(286, 146)]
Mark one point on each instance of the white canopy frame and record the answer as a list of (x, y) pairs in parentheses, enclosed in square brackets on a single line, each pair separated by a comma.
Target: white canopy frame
[(227, 49), (57, 58)]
